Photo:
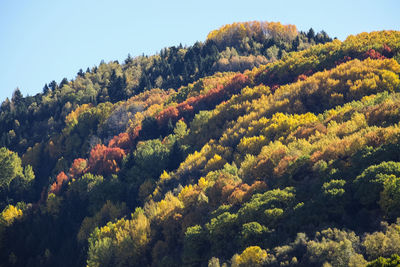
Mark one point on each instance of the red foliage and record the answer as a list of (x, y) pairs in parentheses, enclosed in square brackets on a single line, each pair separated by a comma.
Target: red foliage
[(371, 53), (237, 83), (56, 186), (185, 109), (343, 60), (105, 160), (209, 100), (135, 132), (123, 140), (304, 76), (170, 113), (213, 97), (274, 87), (387, 51)]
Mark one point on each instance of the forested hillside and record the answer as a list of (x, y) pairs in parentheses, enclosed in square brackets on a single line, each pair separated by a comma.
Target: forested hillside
[(261, 146)]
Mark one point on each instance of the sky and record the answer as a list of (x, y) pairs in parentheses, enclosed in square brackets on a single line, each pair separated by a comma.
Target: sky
[(45, 40)]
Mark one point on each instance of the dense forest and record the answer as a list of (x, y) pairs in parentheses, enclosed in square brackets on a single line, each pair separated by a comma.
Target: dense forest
[(261, 146)]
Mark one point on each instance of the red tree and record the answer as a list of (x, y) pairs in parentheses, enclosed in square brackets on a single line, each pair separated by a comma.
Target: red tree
[(56, 186), (371, 53), (105, 160), (170, 113), (123, 140)]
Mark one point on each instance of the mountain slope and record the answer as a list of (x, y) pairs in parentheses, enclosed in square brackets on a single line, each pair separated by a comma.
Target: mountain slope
[(295, 162)]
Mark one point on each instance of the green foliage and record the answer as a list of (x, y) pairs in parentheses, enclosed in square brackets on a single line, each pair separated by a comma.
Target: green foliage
[(268, 208), (120, 244), (333, 246), (10, 167), (151, 157), (252, 233), (195, 245), (108, 212), (383, 243), (390, 197), (371, 181), (280, 165), (221, 229), (393, 261)]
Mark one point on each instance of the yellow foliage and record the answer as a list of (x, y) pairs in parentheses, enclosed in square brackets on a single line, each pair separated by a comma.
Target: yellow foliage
[(164, 208), (203, 183), (10, 214), (185, 191), (165, 176), (197, 159), (215, 163), (251, 256), (256, 29), (251, 145), (72, 118)]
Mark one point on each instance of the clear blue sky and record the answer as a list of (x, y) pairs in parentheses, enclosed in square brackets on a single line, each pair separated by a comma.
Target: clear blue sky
[(45, 40)]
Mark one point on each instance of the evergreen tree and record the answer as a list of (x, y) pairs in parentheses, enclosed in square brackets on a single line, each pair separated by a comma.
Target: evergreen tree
[(311, 34)]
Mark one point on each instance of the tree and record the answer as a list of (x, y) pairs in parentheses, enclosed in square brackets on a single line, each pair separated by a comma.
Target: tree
[(80, 73), (122, 243), (252, 233), (57, 185), (195, 245), (46, 89), (252, 256), (390, 197), (370, 183), (10, 167), (105, 160), (383, 243), (53, 85), (117, 86), (310, 34), (9, 215), (393, 261), (78, 167)]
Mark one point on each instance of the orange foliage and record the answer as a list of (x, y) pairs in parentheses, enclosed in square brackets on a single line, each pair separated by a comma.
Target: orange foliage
[(78, 167), (170, 113), (267, 163), (220, 191), (206, 101), (135, 132), (123, 140), (226, 190), (244, 192), (387, 51), (56, 186), (307, 131), (238, 194), (105, 160), (284, 164)]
